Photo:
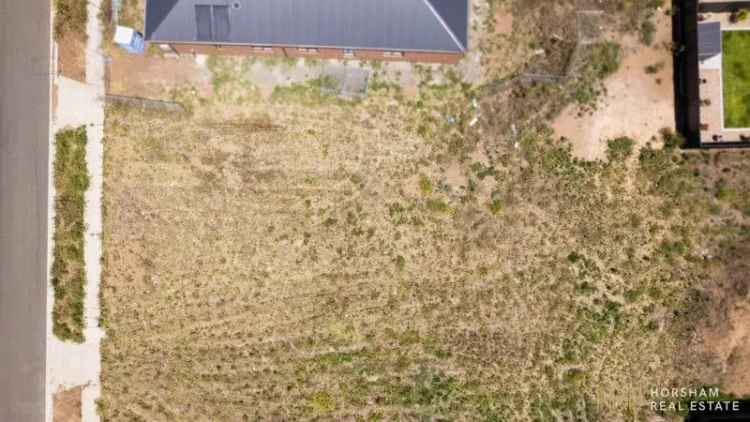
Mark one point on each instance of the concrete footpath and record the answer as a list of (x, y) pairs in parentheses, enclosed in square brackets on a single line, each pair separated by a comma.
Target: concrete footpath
[(68, 364)]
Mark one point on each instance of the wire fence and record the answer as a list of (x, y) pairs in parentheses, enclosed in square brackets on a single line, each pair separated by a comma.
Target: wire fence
[(145, 103)]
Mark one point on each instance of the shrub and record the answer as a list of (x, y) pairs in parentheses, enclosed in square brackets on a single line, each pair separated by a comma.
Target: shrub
[(68, 265), (606, 59), (671, 139), (654, 68), (619, 149), (425, 185), (496, 206), (739, 16), (400, 263), (647, 31), (322, 402)]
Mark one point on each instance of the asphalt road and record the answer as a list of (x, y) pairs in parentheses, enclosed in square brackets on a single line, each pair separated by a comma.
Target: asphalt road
[(24, 138)]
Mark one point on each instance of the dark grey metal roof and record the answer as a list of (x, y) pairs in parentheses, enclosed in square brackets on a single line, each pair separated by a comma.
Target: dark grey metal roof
[(709, 39), (409, 25)]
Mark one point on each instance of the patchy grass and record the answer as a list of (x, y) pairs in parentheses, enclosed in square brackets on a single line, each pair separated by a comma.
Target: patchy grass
[(71, 17), (425, 184), (310, 265), (70, 35), (228, 82), (106, 20), (619, 149), (132, 13), (283, 264), (311, 93), (68, 269), (736, 78)]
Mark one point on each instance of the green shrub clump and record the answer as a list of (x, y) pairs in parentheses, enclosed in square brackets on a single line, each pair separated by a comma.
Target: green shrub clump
[(70, 17), (68, 265)]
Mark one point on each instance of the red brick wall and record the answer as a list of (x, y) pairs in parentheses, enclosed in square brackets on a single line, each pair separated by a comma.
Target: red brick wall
[(229, 50), (410, 56), (322, 53)]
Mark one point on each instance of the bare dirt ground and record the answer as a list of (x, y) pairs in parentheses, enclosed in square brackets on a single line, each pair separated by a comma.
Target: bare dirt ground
[(71, 57), (144, 75), (635, 104), (503, 24), (67, 405), (734, 347), (725, 334)]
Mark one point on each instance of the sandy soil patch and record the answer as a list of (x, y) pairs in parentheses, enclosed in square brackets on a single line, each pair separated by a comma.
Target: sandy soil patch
[(728, 339), (67, 405), (503, 20), (636, 104), (737, 380), (71, 56), (153, 76), (725, 333)]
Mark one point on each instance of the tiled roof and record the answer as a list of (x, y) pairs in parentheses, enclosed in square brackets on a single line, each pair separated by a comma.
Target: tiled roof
[(409, 25)]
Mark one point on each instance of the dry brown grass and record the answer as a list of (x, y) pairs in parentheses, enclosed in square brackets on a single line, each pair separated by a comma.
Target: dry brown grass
[(67, 405), (70, 36), (71, 56), (300, 258), (279, 261)]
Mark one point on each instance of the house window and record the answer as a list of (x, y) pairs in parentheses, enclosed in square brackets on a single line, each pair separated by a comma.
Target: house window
[(262, 49), (393, 54), (308, 50), (212, 22), (348, 52)]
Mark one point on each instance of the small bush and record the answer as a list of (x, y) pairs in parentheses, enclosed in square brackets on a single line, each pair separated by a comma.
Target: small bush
[(322, 402), (739, 16), (496, 206), (647, 31), (619, 149), (425, 185), (606, 59), (654, 68), (400, 263), (671, 139)]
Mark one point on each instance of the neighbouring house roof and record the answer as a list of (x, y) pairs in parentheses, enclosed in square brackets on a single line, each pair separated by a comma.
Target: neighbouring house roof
[(709, 40), (409, 25)]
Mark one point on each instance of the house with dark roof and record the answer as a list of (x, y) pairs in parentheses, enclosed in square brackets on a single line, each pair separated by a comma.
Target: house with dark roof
[(400, 30)]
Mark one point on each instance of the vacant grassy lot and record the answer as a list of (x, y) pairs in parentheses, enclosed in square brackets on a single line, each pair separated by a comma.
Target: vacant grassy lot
[(68, 272), (736, 78), (301, 258), (290, 261)]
